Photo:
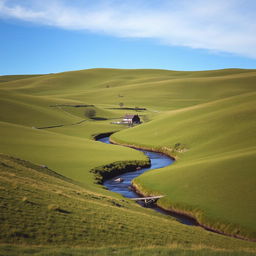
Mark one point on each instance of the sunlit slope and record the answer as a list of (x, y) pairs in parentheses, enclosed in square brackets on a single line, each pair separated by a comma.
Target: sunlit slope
[(58, 213), (41, 111), (9, 78), (33, 110), (215, 179), (161, 89), (69, 155), (68, 149), (86, 79), (211, 112), (174, 92)]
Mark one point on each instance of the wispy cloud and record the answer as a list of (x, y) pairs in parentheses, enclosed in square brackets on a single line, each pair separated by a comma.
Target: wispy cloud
[(216, 25)]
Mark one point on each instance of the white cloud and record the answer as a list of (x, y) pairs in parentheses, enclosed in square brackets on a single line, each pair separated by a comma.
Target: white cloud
[(216, 25)]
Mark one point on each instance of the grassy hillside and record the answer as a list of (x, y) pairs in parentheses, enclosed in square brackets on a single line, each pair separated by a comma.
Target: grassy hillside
[(211, 113), (71, 156), (57, 213), (219, 161), (9, 78)]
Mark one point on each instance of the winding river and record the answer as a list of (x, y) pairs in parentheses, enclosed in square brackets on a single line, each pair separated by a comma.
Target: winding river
[(124, 188)]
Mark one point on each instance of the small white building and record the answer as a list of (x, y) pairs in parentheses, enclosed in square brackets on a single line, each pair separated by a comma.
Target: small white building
[(131, 119)]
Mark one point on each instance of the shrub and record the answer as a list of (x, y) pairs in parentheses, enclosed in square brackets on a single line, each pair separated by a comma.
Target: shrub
[(90, 112)]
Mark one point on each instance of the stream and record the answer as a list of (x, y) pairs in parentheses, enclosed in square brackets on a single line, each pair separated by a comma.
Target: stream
[(124, 188)]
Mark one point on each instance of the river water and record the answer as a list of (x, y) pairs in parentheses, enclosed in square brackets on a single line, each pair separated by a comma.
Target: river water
[(124, 188)]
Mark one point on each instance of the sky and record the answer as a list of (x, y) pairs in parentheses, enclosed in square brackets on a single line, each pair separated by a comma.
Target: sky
[(50, 36)]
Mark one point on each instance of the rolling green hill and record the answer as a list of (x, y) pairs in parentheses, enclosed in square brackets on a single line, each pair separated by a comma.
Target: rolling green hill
[(216, 174), (41, 207), (211, 114)]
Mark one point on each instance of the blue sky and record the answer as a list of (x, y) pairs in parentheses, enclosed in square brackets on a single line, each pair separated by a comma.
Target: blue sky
[(59, 35)]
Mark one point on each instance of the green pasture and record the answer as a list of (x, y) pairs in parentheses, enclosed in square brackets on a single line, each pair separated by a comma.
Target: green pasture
[(214, 179), (210, 114), (71, 156), (44, 213), (119, 251)]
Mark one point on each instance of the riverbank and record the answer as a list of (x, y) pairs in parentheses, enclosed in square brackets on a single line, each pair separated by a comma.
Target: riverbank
[(138, 190), (109, 171), (105, 172), (162, 150), (186, 214), (165, 204), (124, 187)]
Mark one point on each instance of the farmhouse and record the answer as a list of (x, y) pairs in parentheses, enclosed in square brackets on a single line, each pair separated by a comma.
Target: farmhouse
[(131, 119)]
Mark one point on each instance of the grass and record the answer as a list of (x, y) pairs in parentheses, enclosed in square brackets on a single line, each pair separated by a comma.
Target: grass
[(219, 161), (209, 113), (71, 156), (4, 79), (57, 212), (161, 251), (111, 170)]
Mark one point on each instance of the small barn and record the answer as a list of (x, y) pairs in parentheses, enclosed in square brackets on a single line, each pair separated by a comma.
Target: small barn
[(131, 119)]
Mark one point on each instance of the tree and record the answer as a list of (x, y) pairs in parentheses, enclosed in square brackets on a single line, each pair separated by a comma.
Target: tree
[(89, 112)]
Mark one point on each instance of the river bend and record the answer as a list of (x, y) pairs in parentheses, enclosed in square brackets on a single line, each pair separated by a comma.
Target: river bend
[(124, 188)]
